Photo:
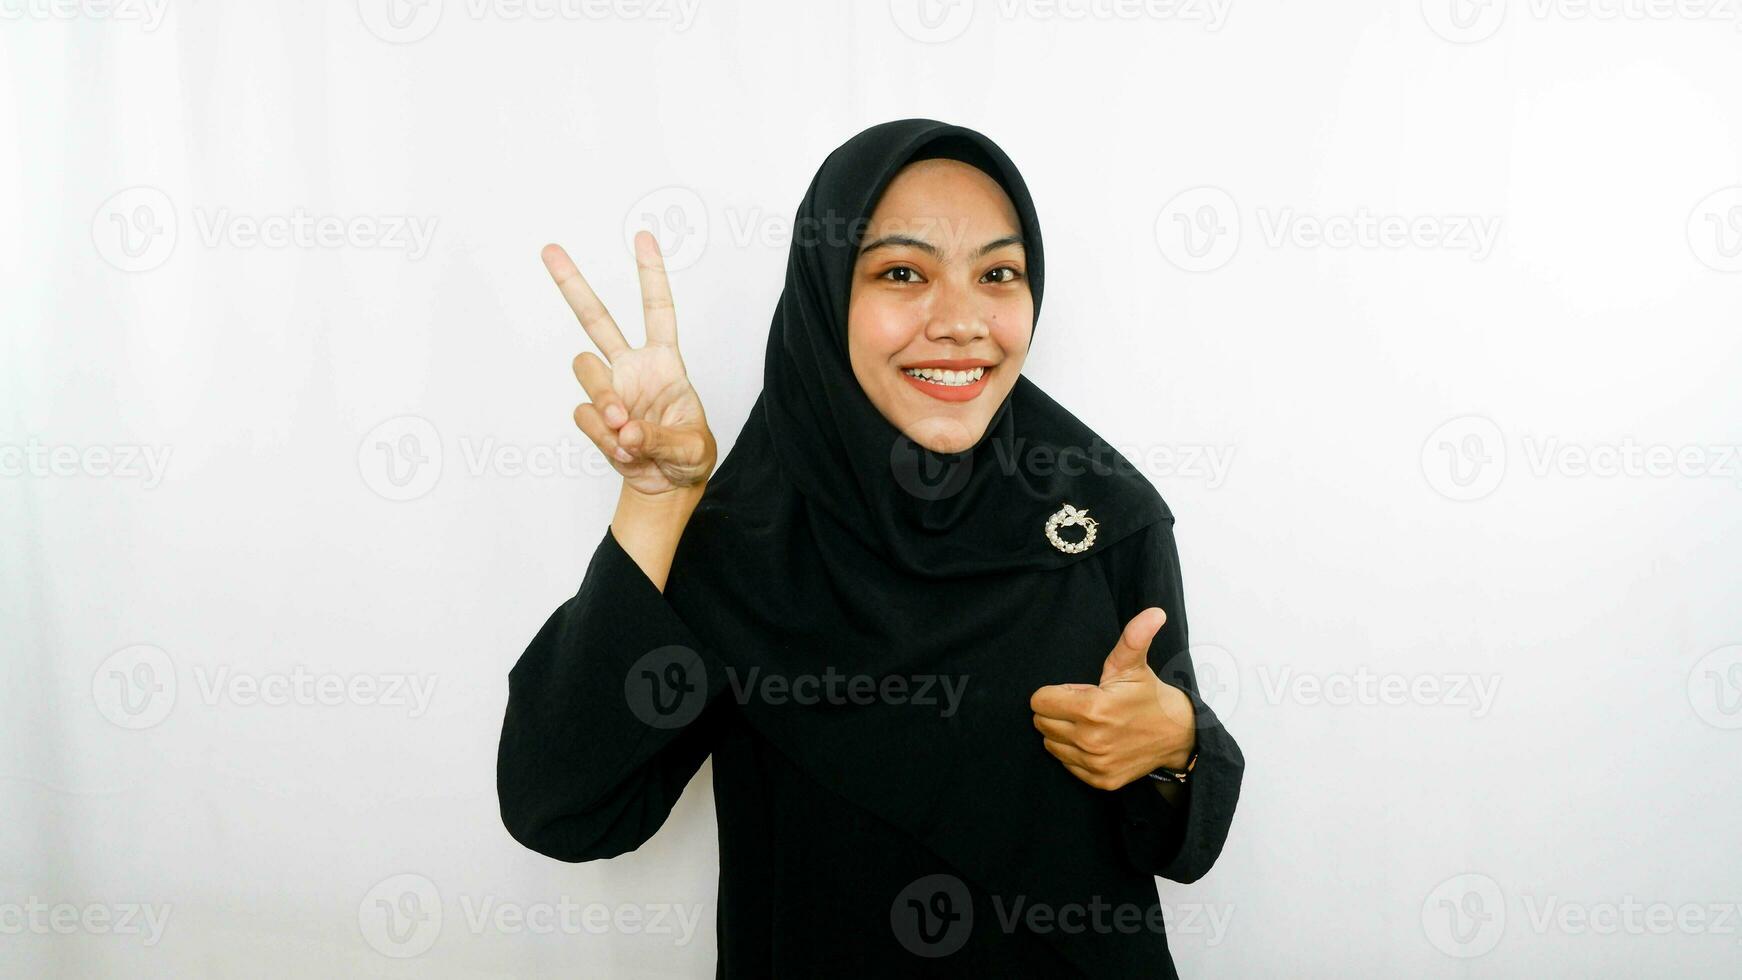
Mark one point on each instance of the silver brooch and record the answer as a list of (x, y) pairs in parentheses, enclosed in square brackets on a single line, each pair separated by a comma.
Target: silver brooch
[(1065, 517)]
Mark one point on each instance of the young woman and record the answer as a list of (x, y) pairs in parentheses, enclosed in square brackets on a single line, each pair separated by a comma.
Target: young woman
[(928, 625)]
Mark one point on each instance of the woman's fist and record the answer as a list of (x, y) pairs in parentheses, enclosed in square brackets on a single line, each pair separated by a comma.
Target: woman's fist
[(1129, 724)]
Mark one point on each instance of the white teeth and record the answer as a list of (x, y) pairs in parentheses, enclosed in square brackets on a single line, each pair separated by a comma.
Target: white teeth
[(942, 377)]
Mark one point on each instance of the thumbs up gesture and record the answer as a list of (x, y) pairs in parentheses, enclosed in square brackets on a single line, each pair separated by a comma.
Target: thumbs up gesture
[(1125, 727)]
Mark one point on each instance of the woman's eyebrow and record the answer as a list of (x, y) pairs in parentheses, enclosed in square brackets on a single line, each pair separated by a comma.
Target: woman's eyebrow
[(892, 241)]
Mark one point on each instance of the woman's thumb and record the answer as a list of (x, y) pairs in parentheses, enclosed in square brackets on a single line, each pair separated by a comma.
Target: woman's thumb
[(655, 441)]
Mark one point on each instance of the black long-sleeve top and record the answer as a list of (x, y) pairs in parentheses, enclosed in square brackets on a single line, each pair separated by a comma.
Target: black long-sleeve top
[(806, 877)]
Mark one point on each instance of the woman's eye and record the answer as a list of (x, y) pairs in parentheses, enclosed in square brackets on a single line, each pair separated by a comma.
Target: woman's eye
[(912, 273), (1010, 277)]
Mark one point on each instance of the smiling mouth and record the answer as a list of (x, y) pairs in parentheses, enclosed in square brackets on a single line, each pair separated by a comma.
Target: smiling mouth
[(949, 386)]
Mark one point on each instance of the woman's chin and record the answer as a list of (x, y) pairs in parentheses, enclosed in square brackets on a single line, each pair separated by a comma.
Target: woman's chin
[(943, 435)]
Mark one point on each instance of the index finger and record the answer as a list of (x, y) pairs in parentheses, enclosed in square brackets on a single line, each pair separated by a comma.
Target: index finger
[(592, 313), (1063, 702)]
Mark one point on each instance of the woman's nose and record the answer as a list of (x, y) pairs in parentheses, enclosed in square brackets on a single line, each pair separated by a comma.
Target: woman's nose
[(956, 316)]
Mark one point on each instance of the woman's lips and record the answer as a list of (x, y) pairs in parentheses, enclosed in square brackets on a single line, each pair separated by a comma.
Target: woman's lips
[(950, 393)]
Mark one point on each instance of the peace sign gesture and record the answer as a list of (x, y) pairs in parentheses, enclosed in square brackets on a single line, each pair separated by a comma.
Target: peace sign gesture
[(642, 414)]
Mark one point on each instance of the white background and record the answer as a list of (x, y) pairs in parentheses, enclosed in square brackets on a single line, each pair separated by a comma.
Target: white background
[(1421, 493)]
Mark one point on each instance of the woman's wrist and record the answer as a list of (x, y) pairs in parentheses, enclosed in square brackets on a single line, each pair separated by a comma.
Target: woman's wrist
[(1177, 705), (649, 526)]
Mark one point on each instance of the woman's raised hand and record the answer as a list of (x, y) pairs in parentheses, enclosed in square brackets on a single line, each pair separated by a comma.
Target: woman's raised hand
[(642, 413)]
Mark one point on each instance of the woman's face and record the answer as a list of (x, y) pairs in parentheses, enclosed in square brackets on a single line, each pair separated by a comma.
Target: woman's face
[(941, 282)]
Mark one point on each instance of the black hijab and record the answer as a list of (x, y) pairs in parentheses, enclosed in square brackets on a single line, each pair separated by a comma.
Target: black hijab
[(929, 514), (829, 542)]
